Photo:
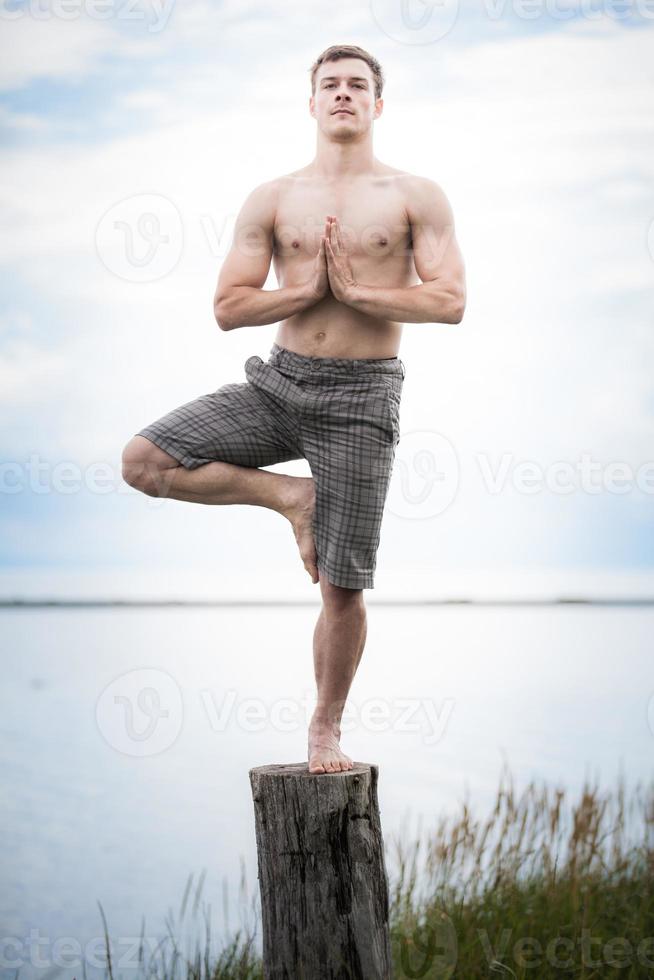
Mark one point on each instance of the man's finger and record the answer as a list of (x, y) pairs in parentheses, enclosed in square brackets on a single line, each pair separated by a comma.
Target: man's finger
[(332, 264), (339, 238), (334, 238)]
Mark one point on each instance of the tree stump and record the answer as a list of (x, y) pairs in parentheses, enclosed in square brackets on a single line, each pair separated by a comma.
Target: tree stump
[(324, 890)]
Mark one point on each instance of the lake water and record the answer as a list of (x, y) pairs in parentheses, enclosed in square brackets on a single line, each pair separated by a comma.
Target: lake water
[(127, 737)]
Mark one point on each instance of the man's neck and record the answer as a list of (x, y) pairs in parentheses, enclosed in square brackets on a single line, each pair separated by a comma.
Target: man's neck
[(350, 159)]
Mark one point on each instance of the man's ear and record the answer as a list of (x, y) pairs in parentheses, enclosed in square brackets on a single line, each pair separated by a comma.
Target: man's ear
[(311, 105), (379, 108)]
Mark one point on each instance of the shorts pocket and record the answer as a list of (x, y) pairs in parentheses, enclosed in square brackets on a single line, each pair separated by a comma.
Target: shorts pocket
[(392, 389)]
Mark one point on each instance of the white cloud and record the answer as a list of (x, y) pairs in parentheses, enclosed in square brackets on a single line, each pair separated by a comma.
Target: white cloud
[(23, 121), (26, 367), (36, 49)]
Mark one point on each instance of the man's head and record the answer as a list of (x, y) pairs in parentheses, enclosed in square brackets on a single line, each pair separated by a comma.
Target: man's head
[(346, 89)]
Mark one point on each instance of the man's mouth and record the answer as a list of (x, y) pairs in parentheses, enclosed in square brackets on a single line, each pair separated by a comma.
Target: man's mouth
[(337, 111)]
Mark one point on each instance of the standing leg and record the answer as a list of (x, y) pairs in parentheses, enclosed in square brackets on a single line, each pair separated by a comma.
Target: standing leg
[(339, 639)]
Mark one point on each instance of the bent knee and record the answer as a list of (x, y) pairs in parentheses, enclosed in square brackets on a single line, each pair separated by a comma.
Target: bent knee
[(142, 467)]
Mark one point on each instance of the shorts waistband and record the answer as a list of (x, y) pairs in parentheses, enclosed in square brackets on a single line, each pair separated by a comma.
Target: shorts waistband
[(336, 365)]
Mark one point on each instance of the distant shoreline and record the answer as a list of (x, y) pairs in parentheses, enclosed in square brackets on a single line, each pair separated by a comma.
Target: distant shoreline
[(24, 603)]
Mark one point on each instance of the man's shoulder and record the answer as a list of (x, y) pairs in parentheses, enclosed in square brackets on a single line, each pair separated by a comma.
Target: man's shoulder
[(266, 189), (269, 191), (417, 185), (405, 181), (424, 195), (261, 202), (294, 175)]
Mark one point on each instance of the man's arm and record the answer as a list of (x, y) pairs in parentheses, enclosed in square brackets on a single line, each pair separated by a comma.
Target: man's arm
[(239, 299), (441, 296)]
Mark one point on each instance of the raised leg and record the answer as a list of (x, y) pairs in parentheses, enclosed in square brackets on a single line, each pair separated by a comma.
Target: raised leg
[(155, 472)]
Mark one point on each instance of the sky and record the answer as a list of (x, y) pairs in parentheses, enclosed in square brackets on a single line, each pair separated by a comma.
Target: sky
[(131, 133)]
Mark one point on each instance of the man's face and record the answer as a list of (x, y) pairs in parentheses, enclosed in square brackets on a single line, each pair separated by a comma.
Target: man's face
[(344, 104)]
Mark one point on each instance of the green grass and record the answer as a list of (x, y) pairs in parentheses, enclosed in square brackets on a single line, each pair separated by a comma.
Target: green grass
[(541, 888)]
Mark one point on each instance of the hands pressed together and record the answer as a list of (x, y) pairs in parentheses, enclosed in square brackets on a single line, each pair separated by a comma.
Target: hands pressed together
[(332, 269)]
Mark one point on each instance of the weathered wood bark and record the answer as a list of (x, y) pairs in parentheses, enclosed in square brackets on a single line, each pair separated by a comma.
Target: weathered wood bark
[(324, 890)]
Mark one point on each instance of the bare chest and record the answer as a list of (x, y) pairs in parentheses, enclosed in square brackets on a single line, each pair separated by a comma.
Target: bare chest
[(372, 218)]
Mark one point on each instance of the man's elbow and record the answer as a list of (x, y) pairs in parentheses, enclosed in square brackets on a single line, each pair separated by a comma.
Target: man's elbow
[(449, 303), (221, 313), (451, 312), (457, 313), (457, 306), (220, 318)]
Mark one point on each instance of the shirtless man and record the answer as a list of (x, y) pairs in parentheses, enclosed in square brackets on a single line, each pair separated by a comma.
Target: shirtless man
[(358, 248)]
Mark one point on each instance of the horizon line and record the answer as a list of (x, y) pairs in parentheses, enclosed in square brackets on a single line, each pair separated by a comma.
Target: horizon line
[(20, 602)]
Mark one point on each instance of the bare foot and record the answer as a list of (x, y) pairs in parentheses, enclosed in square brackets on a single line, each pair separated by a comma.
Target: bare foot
[(324, 751), (299, 509)]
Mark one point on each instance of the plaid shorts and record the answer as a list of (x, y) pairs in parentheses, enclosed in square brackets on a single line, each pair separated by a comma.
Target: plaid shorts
[(340, 414)]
